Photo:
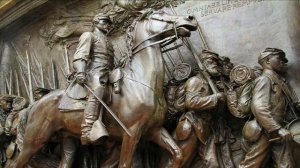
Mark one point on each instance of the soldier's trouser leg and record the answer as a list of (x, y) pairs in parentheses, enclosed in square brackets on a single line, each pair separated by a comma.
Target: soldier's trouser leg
[(282, 155), (257, 153), (91, 114)]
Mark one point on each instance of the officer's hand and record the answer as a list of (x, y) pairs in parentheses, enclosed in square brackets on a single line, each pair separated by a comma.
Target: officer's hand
[(221, 96), (81, 78), (7, 131), (285, 134)]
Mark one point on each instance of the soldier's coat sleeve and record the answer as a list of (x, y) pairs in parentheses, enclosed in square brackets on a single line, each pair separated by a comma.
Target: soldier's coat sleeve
[(198, 95), (84, 47), (261, 106)]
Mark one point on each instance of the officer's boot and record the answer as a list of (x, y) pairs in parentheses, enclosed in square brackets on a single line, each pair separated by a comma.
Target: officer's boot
[(91, 114)]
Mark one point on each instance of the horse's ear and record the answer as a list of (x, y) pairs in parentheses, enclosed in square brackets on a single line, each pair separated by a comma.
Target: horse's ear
[(145, 13)]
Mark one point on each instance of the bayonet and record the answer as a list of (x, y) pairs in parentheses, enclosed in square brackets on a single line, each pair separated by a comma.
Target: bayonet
[(7, 83), (4, 83), (42, 76), (21, 60), (201, 35), (17, 83), (29, 79), (34, 80), (55, 85), (67, 60), (10, 83), (24, 81)]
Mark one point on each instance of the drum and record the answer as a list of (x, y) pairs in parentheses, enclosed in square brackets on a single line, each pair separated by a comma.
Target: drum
[(294, 128)]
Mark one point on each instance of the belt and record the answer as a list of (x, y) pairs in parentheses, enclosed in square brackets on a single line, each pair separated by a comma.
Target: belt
[(101, 58)]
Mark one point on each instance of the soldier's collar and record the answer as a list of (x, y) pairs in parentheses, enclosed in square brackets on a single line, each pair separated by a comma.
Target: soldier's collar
[(273, 73)]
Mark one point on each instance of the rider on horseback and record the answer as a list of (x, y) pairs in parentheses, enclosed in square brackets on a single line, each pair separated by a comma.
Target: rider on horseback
[(93, 60)]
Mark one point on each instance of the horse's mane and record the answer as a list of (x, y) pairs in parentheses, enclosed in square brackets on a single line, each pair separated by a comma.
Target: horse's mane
[(130, 30)]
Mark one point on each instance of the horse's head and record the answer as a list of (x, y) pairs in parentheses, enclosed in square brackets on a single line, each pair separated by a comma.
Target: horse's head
[(166, 25), (158, 27)]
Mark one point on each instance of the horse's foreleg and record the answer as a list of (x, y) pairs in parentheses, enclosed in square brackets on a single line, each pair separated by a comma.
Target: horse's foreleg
[(36, 135), (163, 138), (129, 144), (68, 152)]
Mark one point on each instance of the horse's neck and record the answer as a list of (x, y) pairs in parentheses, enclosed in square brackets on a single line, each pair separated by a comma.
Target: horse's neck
[(147, 67)]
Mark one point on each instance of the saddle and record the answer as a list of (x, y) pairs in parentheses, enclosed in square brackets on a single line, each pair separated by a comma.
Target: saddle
[(76, 94)]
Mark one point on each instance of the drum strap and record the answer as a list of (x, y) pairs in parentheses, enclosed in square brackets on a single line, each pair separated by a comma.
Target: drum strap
[(286, 90)]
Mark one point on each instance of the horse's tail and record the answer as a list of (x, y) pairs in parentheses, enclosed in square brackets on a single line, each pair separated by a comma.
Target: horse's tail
[(23, 116)]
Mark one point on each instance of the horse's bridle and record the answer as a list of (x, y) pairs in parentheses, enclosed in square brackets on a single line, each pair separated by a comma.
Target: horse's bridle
[(137, 48)]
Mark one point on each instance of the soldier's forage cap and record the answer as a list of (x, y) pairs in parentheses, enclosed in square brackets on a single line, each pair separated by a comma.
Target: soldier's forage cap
[(7, 97), (101, 16), (210, 54), (225, 59), (41, 90), (271, 52)]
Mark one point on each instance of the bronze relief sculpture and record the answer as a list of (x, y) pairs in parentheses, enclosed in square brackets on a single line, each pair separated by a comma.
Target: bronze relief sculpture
[(144, 114), (161, 103)]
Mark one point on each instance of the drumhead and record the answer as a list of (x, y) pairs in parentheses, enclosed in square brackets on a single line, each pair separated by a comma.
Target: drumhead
[(294, 128)]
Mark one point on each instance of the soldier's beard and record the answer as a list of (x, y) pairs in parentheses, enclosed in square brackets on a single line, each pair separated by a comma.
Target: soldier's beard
[(214, 71)]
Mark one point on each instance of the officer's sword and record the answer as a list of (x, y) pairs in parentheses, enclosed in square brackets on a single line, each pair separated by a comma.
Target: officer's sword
[(109, 110)]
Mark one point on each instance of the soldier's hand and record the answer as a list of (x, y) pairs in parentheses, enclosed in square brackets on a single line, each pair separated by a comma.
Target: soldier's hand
[(297, 106), (81, 78), (221, 96), (1, 130), (285, 134)]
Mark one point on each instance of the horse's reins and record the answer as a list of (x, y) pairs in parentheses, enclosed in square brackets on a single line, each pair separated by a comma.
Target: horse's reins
[(164, 41)]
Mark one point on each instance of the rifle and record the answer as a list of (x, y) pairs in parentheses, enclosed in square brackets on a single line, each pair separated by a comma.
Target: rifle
[(29, 79), (199, 62)]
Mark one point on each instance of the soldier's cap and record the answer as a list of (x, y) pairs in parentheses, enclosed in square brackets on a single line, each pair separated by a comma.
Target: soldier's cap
[(271, 52), (41, 90), (101, 16), (225, 59), (209, 54), (9, 98)]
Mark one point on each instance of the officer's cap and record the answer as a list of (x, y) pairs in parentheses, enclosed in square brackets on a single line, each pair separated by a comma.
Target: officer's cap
[(101, 16)]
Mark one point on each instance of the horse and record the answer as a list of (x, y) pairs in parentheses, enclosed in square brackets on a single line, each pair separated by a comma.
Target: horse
[(141, 106)]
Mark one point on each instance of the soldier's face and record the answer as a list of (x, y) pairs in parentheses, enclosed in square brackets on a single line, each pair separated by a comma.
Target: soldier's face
[(6, 105), (227, 67), (278, 63), (212, 66), (103, 25)]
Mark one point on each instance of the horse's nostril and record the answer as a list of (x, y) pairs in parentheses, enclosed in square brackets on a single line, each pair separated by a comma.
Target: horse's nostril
[(190, 17)]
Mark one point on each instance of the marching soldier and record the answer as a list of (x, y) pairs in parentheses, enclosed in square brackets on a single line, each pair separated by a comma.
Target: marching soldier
[(196, 97), (5, 108), (268, 105)]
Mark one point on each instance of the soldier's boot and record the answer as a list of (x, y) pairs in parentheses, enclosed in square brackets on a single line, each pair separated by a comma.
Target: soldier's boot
[(91, 114)]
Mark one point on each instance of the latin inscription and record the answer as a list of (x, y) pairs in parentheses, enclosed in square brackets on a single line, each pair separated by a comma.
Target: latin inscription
[(219, 7)]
